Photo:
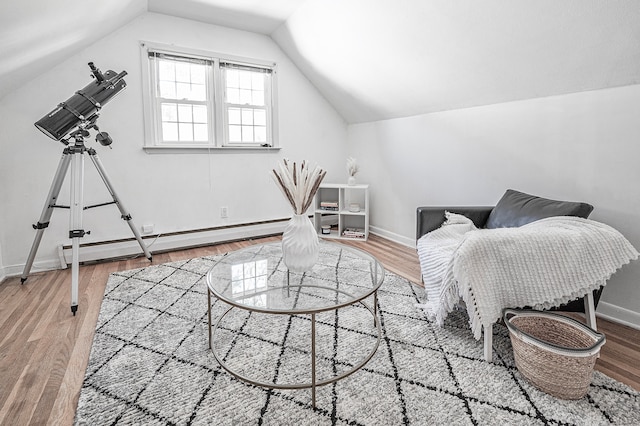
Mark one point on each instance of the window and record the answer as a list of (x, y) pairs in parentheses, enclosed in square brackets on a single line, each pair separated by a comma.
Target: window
[(182, 99), (197, 100)]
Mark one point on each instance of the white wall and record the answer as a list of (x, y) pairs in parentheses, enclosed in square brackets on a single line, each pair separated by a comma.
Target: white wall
[(172, 191), (582, 147), (2, 273), (4, 187)]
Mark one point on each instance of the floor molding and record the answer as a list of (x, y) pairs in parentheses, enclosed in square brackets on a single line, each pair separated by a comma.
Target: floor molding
[(618, 314), (396, 238), (115, 249)]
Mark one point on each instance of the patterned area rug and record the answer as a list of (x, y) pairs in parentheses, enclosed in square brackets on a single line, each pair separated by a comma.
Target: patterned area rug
[(150, 364)]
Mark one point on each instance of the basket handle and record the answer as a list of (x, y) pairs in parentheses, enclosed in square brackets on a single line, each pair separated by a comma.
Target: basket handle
[(600, 338)]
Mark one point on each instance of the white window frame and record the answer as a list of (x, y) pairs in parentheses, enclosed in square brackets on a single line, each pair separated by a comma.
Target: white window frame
[(216, 106), (227, 65)]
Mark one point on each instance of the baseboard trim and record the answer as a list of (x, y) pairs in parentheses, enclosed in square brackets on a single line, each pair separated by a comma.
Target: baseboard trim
[(39, 266), (618, 314), (396, 238), (158, 243)]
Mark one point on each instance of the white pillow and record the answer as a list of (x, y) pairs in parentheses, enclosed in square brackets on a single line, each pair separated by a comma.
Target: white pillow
[(456, 219)]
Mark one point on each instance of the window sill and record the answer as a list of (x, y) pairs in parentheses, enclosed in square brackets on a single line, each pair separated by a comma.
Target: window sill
[(182, 149)]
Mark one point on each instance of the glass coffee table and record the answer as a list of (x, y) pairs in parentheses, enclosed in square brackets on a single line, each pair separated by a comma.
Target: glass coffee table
[(255, 279)]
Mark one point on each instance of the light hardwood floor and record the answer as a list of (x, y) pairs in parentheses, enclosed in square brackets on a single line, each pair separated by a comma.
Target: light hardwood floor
[(44, 349)]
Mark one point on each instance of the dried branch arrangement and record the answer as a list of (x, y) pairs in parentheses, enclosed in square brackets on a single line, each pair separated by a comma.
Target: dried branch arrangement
[(298, 182), (352, 166)]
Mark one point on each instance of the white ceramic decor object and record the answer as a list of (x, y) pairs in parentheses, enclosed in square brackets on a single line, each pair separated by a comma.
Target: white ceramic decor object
[(300, 245), (299, 183)]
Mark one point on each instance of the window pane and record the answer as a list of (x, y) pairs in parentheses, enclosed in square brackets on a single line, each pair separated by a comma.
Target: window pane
[(257, 81), (200, 132), (236, 272), (245, 96), (260, 117), (184, 114), (245, 79), (169, 112), (166, 70), (257, 97), (249, 284), (260, 133), (183, 72), (234, 116), (197, 74), (181, 80), (233, 96), (261, 282), (186, 132), (262, 268), (232, 78), (247, 133), (235, 133), (169, 132), (183, 91), (250, 269), (198, 92), (167, 89), (200, 114), (247, 116)]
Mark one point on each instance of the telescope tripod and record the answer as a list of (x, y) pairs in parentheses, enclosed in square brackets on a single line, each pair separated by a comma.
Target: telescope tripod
[(73, 155)]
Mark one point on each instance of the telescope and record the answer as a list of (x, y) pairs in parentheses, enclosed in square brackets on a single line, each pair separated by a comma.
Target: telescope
[(84, 105), (75, 117)]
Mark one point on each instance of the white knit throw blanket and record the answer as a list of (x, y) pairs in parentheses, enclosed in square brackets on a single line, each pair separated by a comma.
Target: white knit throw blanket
[(542, 264)]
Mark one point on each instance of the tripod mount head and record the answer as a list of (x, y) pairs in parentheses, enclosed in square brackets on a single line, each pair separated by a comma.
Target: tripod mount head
[(82, 131)]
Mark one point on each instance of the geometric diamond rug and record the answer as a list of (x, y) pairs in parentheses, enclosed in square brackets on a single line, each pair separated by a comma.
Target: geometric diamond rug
[(150, 364)]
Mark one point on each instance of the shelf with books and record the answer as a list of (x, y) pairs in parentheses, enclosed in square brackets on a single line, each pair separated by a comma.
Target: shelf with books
[(344, 208), (357, 233)]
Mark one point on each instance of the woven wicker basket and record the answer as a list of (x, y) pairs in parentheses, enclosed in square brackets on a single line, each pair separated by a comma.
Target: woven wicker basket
[(554, 353)]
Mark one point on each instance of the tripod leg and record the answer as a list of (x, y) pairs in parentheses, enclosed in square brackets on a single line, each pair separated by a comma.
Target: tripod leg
[(75, 226), (47, 210), (126, 216)]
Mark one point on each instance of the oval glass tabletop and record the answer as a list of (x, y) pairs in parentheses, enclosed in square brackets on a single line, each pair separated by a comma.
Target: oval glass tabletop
[(256, 279)]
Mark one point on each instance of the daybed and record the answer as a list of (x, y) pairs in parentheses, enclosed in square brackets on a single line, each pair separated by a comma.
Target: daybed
[(514, 210)]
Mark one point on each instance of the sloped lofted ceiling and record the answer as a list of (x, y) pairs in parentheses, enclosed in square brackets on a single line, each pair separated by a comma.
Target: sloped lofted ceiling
[(374, 59), (36, 35), (259, 16), (377, 59)]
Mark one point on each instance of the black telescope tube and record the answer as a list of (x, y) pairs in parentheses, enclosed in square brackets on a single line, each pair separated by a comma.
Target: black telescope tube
[(82, 105)]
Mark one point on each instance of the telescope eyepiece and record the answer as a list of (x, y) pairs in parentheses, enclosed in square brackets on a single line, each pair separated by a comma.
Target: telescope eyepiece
[(96, 72)]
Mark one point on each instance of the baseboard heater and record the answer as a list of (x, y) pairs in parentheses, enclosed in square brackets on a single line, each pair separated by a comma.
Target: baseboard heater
[(159, 243)]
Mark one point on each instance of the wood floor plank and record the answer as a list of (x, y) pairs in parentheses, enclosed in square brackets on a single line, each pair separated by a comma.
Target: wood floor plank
[(68, 389), (44, 350), (36, 366)]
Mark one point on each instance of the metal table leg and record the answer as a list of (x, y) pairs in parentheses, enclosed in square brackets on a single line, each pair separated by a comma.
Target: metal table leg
[(313, 360)]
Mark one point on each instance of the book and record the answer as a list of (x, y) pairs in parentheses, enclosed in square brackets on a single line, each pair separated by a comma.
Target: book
[(353, 233)]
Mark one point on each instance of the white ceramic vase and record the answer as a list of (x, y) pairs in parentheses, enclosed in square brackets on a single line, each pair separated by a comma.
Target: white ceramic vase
[(351, 181), (300, 245)]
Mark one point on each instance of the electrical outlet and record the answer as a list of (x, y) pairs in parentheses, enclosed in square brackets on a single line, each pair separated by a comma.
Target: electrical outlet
[(224, 212), (147, 229)]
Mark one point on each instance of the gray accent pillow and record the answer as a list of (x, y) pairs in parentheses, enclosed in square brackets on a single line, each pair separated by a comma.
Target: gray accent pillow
[(517, 208)]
